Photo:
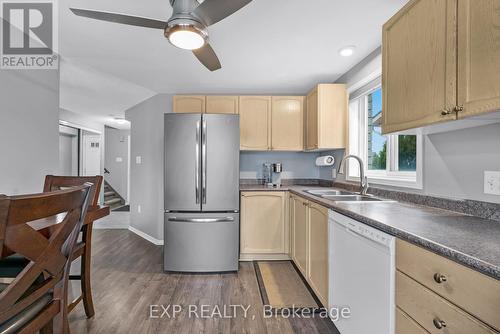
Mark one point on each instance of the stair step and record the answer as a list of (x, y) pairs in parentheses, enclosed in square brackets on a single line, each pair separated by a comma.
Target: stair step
[(109, 193), (113, 201)]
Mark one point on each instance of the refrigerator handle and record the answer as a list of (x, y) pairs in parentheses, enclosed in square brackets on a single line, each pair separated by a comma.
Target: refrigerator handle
[(204, 162), (201, 220), (197, 164)]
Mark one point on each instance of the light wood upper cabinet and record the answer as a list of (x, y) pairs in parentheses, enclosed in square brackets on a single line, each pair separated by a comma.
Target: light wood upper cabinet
[(299, 228), (222, 105), (326, 117), (419, 65), (262, 228), (318, 251), (441, 62), (189, 104), (287, 123), (478, 56), (255, 119)]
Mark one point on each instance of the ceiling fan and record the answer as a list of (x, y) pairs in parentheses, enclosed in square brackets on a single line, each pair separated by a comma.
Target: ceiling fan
[(186, 28)]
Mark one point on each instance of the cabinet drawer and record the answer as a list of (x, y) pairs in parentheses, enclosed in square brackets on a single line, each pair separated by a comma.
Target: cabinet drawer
[(427, 308), (406, 325), (474, 292)]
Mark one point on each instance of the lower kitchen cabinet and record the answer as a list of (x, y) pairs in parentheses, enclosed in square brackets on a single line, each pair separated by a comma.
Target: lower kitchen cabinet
[(440, 294), (318, 251), (406, 325), (298, 219), (263, 232), (309, 225)]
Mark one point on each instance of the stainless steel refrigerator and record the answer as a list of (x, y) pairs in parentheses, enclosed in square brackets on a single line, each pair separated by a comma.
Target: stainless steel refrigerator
[(201, 192)]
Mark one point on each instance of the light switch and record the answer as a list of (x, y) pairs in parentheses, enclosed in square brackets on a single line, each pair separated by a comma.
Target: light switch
[(119, 159), (138, 160), (492, 183)]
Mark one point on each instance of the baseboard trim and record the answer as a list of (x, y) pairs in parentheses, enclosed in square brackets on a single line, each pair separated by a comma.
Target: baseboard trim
[(146, 236), (264, 257), (110, 227)]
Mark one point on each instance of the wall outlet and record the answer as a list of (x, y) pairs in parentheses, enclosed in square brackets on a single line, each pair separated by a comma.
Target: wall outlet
[(138, 160), (334, 173), (139, 208), (492, 183), (119, 159)]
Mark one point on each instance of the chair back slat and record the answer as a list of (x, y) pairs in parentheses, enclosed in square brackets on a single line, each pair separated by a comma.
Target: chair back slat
[(49, 256), (32, 207), (53, 183)]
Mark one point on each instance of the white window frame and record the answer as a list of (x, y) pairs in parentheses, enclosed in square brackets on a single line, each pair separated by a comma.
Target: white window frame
[(358, 142)]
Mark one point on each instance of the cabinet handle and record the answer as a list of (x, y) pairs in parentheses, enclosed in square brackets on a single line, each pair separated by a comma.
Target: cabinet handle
[(438, 323), (440, 278), (446, 112)]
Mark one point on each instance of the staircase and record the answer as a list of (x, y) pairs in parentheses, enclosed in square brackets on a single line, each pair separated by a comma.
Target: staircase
[(112, 198)]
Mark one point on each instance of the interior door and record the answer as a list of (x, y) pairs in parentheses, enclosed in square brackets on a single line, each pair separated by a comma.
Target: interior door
[(220, 162), (91, 155), (182, 162)]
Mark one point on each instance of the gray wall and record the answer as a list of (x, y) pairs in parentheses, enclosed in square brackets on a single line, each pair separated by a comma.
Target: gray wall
[(146, 179), (295, 165), (116, 147), (29, 135), (453, 162)]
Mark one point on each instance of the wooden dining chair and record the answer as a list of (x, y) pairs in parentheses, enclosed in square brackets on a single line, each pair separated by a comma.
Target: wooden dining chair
[(83, 248), (35, 300)]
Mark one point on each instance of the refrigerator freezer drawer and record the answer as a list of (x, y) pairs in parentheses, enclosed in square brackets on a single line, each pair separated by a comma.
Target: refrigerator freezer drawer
[(205, 242)]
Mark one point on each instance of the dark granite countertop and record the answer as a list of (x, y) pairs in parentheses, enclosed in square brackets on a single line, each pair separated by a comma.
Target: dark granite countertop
[(468, 240)]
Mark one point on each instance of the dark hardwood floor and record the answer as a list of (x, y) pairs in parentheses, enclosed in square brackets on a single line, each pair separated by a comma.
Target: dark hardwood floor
[(127, 279)]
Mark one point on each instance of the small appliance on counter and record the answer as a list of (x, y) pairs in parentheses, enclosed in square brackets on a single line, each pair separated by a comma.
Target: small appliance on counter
[(267, 174), (277, 169)]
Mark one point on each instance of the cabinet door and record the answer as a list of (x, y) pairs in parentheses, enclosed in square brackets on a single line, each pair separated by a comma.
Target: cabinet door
[(255, 117), (478, 56), (419, 65), (287, 123), (189, 104), (318, 251), (222, 105), (312, 120), (263, 222), (299, 234)]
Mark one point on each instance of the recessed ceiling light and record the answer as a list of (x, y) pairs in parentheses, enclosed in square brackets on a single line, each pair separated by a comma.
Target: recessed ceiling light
[(347, 51), (120, 120)]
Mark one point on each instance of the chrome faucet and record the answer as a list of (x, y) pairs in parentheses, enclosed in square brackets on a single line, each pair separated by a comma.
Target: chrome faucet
[(363, 180)]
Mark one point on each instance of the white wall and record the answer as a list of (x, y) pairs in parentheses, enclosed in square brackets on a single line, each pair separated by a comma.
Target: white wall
[(146, 179), (29, 134), (453, 162), (116, 160)]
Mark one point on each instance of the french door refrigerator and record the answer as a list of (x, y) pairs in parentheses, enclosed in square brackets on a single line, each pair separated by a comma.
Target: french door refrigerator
[(201, 192)]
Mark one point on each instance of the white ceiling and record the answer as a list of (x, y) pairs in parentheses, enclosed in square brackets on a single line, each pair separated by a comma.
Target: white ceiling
[(268, 47)]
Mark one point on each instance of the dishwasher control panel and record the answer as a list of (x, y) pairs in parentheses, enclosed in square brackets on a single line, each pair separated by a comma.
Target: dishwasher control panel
[(361, 228)]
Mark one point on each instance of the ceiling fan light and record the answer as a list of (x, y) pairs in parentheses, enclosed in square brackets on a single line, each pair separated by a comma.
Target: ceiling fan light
[(186, 37)]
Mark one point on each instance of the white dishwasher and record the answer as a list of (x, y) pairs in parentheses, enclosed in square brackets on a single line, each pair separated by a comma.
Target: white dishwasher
[(361, 276)]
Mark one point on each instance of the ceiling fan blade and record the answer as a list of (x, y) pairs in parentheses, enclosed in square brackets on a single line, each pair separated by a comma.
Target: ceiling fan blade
[(206, 55), (120, 18), (212, 11)]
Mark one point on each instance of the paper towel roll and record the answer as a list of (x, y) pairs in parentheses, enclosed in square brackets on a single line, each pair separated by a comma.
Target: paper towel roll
[(326, 160)]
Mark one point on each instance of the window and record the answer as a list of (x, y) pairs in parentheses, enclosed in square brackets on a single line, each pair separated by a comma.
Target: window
[(390, 159)]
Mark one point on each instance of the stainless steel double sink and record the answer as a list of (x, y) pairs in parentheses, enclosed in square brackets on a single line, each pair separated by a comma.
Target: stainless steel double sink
[(344, 196)]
